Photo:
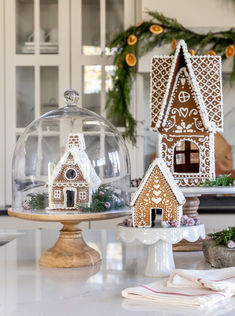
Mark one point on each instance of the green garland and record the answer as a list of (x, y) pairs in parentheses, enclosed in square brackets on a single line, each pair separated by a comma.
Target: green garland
[(222, 181), (119, 98)]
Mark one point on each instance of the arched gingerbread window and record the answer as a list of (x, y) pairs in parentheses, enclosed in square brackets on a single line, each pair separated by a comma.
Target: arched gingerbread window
[(186, 157)]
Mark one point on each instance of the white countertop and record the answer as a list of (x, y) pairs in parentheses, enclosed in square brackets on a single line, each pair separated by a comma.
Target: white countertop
[(26, 289)]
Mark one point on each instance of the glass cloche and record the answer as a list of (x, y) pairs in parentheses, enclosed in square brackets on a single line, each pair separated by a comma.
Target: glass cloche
[(70, 160)]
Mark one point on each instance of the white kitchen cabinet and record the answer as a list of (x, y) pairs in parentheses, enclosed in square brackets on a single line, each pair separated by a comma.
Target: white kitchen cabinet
[(46, 47)]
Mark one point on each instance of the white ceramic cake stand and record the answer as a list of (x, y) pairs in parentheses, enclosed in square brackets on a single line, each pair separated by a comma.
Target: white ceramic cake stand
[(160, 260)]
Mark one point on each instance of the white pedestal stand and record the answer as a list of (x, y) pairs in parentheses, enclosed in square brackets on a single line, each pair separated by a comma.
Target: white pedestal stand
[(160, 261)]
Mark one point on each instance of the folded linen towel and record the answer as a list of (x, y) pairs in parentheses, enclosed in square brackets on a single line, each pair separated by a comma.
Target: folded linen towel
[(160, 293), (222, 280)]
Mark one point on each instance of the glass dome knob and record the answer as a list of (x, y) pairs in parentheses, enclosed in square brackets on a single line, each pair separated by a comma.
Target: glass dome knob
[(71, 97)]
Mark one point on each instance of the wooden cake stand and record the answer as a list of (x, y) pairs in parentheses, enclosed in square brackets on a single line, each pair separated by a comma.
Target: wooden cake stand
[(191, 206), (70, 250)]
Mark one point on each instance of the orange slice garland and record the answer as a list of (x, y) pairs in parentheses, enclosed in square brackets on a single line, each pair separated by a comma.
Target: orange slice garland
[(173, 44), (132, 39), (230, 51), (191, 52), (156, 29), (139, 23), (211, 53), (130, 59)]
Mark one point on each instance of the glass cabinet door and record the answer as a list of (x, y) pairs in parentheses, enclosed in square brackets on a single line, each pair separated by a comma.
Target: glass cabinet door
[(91, 44), (25, 27), (91, 89), (37, 68), (49, 89), (25, 94), (95, 23), (107, 18), (49, 27), (46, 34)]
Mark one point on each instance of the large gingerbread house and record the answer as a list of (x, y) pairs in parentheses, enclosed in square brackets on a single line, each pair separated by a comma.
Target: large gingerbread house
[(187, 110), (157, 191), (72, 180)]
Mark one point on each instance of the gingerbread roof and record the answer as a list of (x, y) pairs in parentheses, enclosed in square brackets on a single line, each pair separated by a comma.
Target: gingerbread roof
[(76, 147), (206, 78), (160, 163)]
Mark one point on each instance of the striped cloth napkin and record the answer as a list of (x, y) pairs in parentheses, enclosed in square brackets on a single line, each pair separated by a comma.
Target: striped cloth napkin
[(220, 280), (198, 288)]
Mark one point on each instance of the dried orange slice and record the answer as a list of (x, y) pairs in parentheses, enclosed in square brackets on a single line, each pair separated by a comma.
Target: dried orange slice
[(130, 59), (173, 44), (191, 52), (139, 23), (211, 53), (230, 51), (132, 39), (156, 29)]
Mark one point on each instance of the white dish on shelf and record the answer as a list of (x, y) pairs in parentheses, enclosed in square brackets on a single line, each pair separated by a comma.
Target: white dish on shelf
[(41, 44)]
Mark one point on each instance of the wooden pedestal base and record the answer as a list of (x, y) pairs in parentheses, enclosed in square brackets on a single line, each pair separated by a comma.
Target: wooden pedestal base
[(70, 250), (190, 208)]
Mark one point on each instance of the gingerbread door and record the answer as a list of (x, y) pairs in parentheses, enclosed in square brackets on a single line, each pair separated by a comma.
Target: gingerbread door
[(70, 198)]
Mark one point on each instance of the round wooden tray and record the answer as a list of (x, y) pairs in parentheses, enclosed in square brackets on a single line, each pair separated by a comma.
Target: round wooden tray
[(66, 217), (70, 250)]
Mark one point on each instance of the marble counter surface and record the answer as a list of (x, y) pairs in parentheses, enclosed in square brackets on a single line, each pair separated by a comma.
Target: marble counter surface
[(26, 289)]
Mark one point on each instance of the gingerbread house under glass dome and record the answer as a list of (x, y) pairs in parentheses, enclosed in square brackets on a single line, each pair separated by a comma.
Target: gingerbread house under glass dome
[(87, 170)]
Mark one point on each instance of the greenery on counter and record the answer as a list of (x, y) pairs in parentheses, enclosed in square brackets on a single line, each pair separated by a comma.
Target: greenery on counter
[(224, 237)]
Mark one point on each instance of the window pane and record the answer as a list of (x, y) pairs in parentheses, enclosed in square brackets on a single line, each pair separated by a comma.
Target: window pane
[(180, 146), (109, 72), (24, 95), (30, 150), (91, 27), (194, 157), (48, 88), (180, 159), (49, 146), (91, 87), (25, 27), (93, 150), (111, 158), (114, 21), (193, 146), (49, 26)]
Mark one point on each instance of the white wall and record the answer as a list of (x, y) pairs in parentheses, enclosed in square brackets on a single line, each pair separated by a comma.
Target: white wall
[(191, 13)]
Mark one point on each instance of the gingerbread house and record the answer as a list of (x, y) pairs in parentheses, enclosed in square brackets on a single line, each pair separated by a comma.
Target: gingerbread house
[(72, 180), (187, 110), (157, 191)]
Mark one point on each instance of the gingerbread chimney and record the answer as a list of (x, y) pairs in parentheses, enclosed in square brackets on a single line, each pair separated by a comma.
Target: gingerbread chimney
[(76, 140)]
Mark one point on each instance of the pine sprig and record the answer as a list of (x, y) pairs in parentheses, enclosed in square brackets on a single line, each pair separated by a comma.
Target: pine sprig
[(104, 199), (119, 98), (221, 181), (37, 201), (222, 237)]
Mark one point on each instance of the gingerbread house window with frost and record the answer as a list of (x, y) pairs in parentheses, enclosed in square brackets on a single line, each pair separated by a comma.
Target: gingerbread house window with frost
[(187, 110), (72, 181), (157, 191)]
